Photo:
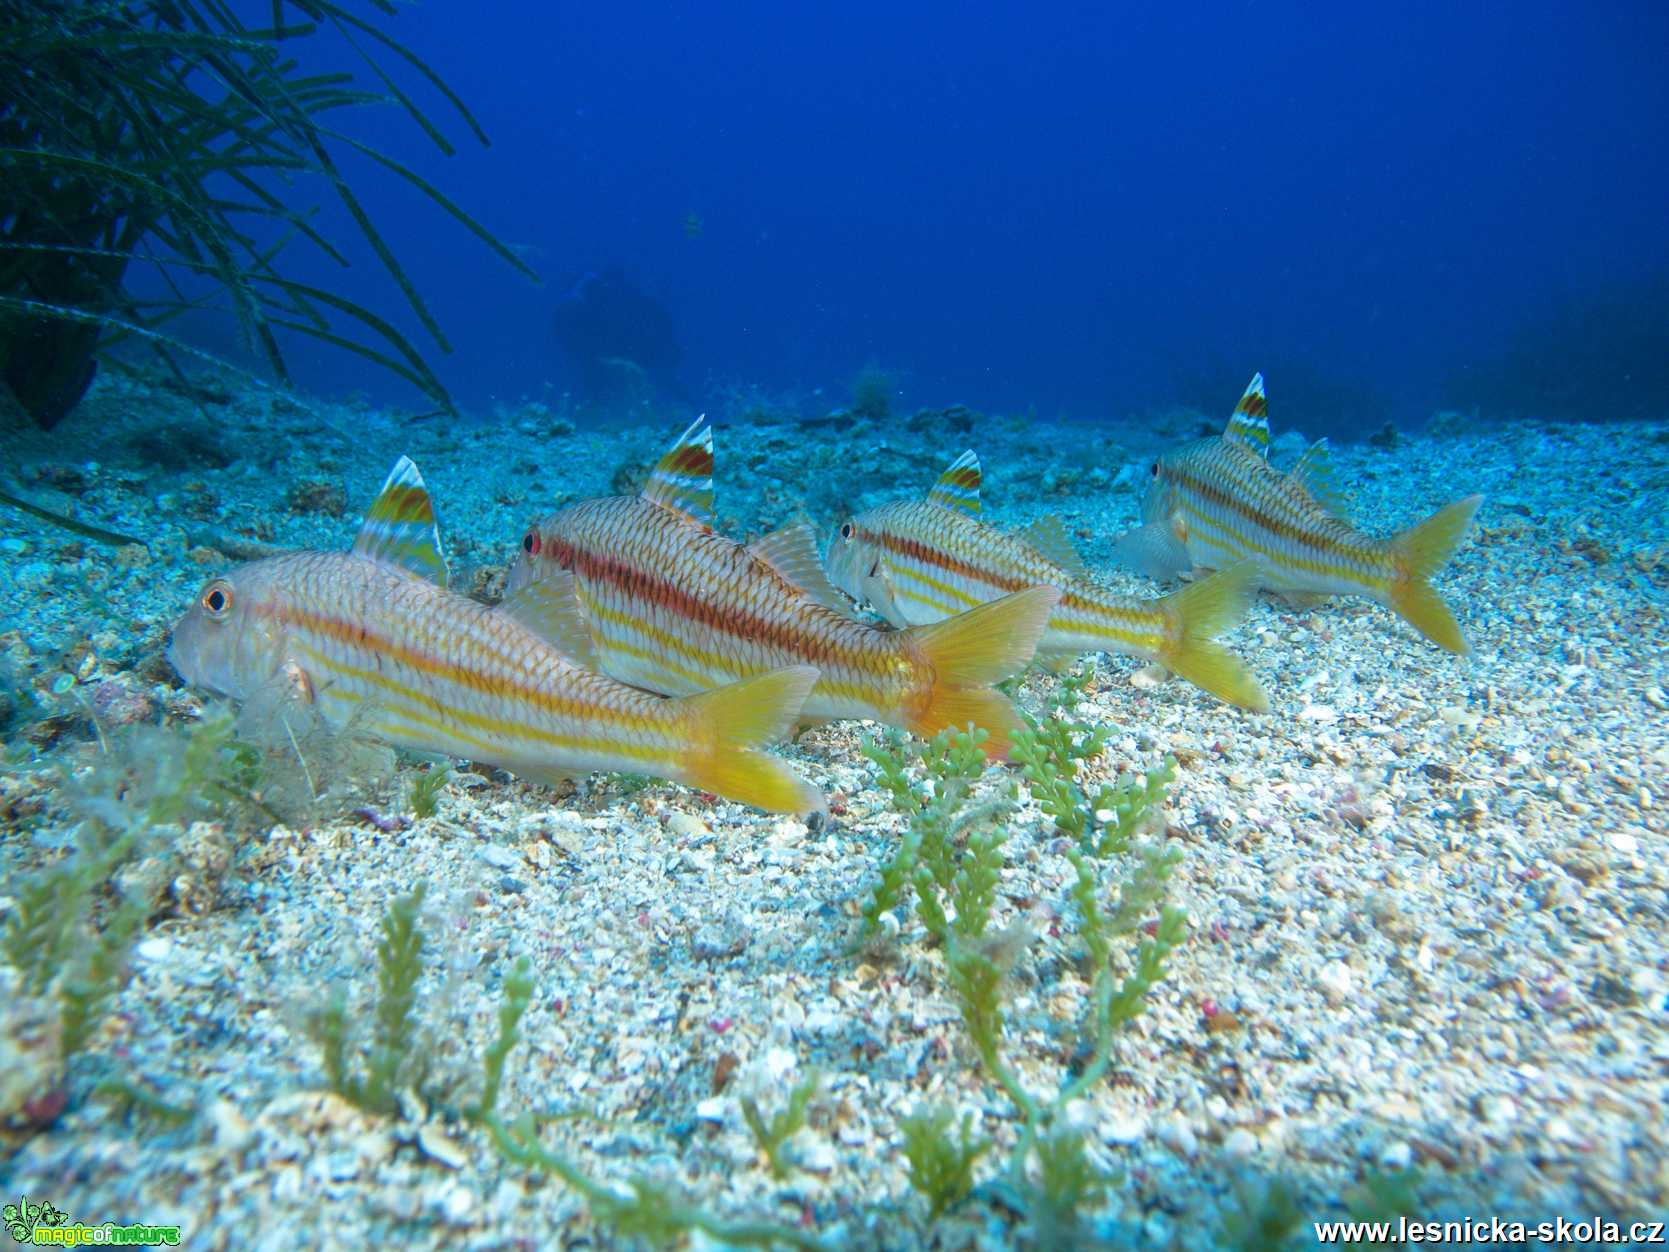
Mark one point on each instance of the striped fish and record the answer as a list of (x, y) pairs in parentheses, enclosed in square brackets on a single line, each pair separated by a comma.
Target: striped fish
[(919, 561), (674, 607), (373, 635), (1218, 501)]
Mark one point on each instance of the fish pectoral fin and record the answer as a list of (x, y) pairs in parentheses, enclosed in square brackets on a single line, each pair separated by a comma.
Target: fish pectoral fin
[(791, 551), (400, 528), (1047, 536), (545, 775), (1153, 549), (958, 487), (883, 600), (682, 480), (1303, 600), (1056, 663), (297, 680), (550, 607)]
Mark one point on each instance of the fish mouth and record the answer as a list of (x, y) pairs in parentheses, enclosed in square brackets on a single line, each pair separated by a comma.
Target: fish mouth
[(521, 573), (192, 654), (176, 650)]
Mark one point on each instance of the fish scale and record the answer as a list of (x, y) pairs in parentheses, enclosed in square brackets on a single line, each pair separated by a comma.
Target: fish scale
[(451, 672), (1234, 509), (370, 639), (943, 563), (919, 561), (635, 565), (674, 606)]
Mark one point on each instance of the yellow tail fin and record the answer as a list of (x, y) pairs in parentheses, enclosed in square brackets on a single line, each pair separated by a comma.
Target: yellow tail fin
[(1202, 611), (729, 723), (970, 652), (1420, 552)]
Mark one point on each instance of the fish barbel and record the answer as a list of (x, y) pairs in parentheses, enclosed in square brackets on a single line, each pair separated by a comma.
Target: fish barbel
[(373, 635), (1218, 501), (675, 607), (919, 561)]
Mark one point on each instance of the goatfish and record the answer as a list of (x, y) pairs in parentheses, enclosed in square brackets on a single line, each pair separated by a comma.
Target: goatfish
[(675, 607), (918, 561), (1218, 501), (373, 637)]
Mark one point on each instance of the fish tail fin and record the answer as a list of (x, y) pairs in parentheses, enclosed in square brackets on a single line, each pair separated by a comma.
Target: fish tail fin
[(727, 727), (1202, 611), (1420, 552), (972, 651)]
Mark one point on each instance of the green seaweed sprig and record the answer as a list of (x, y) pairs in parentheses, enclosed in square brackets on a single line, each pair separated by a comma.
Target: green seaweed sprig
[(51, 936), (518, 994), (645, 1210), (941, 1163), (393, 1059), (425, 788), (953, 855), (773, 1135), (925, 859)]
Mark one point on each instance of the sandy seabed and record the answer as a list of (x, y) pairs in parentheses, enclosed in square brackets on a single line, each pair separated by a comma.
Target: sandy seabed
[(1427, 894)]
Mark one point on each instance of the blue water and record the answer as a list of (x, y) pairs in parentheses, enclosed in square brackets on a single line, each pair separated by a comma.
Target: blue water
[(1081, 209)]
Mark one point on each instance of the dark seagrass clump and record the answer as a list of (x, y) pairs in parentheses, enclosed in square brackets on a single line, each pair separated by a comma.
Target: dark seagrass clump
[(168, 136)]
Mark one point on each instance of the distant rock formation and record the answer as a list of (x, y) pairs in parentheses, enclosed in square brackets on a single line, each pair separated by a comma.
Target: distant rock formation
[(621, 340)]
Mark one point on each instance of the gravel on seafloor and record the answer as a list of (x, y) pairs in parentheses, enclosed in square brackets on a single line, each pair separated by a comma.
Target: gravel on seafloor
[(1427, 893)]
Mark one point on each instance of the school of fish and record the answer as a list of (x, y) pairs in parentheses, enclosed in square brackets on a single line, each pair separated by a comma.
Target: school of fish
[(635, 637), (675, 607)]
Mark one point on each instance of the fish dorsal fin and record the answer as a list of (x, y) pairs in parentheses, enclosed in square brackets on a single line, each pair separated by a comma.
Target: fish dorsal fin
[(1316, 474), (1249, 423), (791, 550), (550, 608), (958, 486), (400, 528), (1047, 536), (682, 480)]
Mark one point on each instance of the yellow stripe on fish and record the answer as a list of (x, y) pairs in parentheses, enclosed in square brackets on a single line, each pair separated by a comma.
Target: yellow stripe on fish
[(367, 638), (919, 561), (674, 607), (1218, 501)]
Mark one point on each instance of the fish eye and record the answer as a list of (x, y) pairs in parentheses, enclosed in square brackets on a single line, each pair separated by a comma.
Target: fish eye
[(846, 530), (530, 543), (216, 599), (1156, 469)]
